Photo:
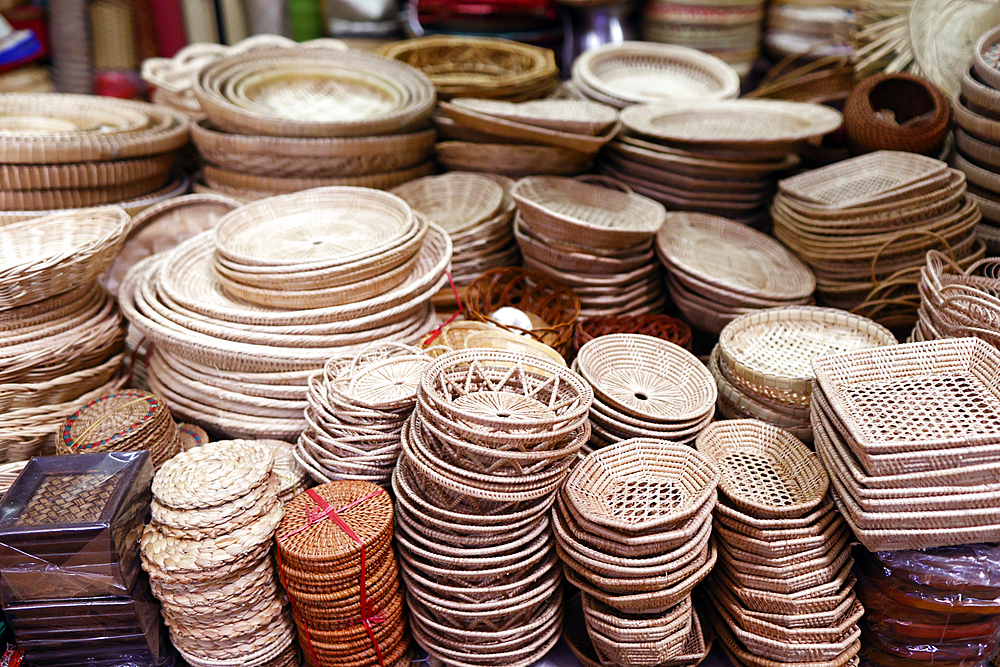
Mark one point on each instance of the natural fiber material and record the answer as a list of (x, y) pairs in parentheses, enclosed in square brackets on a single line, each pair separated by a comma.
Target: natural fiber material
[(899, 112)]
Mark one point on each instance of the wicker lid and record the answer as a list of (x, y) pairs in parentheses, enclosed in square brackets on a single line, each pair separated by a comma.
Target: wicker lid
[(212, 474)]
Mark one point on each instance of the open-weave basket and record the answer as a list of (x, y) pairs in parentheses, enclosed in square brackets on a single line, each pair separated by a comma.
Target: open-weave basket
[(668, 328)]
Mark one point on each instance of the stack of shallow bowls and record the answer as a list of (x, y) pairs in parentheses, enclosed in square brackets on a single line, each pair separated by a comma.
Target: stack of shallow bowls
[(888, 477), (595, 239), (864, 225), (645, 387), (76, 151), (956, 303), (491, 441), (783, 589), (633, 528), (718, 270), (763, 362), (336, 117)]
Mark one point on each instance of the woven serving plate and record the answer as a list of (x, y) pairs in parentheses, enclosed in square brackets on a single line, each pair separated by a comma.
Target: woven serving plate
[(456, 201), (573, 116)]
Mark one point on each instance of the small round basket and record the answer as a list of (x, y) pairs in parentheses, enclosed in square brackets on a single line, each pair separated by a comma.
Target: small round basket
[(897, 112)]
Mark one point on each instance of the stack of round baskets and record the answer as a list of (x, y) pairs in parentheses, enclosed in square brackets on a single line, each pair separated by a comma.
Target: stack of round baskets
[(645, 387), (62, 334), (782, 590), (763, 361), (208, 555), (77, 151), (491, 441), (597, 240), (336, 561), (633, 526), (287, 119), (955, 303)]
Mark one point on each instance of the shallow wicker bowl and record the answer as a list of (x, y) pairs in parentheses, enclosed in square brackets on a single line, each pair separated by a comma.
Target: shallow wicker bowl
[(897, 112)]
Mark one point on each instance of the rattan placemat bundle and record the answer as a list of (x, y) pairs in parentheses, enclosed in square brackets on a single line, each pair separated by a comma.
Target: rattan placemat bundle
[(208, 554), (633, 527), (476, 211), (61, 334), (908, 434), (645, 387), (718, 270), (864, 225), (956, 302), (782, 590), (336, 562), (596, 239), (491, 440), (763, 362), (357, 408)]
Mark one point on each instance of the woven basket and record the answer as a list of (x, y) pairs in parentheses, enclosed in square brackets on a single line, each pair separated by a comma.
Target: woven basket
[(899, 112), (457, 202), (659, 326)]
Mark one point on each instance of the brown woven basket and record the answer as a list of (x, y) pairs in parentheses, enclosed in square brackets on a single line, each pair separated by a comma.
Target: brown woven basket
[(659, 326), (554, 304), (899, 111)]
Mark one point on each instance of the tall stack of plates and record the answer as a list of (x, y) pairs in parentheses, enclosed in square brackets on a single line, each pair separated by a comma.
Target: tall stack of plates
[(808, 28), (714, 156), (77, 151), (287, 119)]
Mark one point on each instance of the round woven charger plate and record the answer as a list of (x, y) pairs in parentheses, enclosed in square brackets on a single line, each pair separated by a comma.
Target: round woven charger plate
[(212, 474), (84, 176)]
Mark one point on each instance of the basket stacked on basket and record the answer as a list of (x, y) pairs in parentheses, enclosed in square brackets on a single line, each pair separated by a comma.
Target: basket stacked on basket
[(61, 334), (476, 211), (909, 435), (864, 225), (721, 157), (287, 119), (782, 591), (208, 555), (336, 562), (633, 526), (242, 369), (491, 441), (956, 302), (595, 239), (668, 328), (77, 151), (540, 137), (645, 387), (763, 361), (357, 407), (719, 270)]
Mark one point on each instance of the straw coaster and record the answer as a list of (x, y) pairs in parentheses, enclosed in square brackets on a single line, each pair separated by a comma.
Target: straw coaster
[(213, 474), (221, 524)]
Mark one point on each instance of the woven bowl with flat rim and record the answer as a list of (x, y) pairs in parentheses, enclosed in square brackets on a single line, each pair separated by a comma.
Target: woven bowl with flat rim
[(766, 471), (455, 201), (572, 116), (647, 377)]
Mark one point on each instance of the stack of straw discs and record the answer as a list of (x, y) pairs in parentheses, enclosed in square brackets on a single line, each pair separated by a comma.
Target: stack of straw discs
[(783, 590), (357, 408), (718, 270), (476, 211), (955, 303), (491, 440), (763, 361), (539, 137), (645, 387), (61, 334), (633, 527), (337, 564), (76, 151), (595, 239), (292, 477), (208, 555), (894, 425), (864, 225), (311, 103)]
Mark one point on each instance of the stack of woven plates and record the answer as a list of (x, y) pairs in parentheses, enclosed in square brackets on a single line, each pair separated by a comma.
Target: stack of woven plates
[(633, 526), (516, 72), (909, 435), (783, 590), (864, 225), (242, 369), (61, 334), (955, 303), (491, 441), (292, 477), (539, 137), (639, 72), (476, 211), (714, 156), (357, 407), (595, 239), (125, 421), (645, 387), (718, 270), (336, 562), (207, 552), (301, 118), (763, 362)]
